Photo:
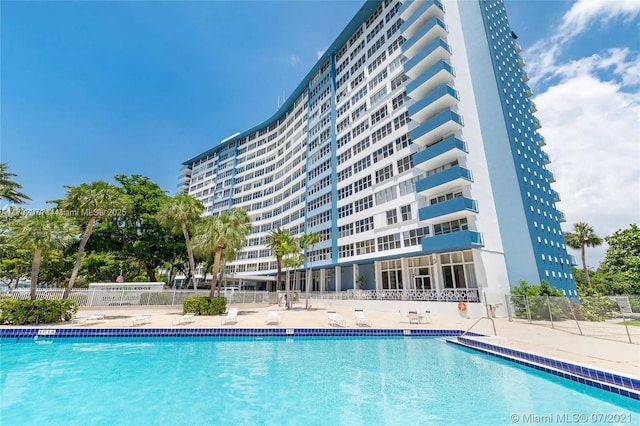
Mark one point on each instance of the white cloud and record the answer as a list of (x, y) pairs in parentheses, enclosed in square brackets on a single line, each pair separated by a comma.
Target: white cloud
[(319, 53), (591, 123), (584, 12), (294, 60)]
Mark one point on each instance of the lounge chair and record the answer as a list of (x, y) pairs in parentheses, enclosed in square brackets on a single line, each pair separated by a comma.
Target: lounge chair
[(272, 317), (141, 319), (426, 317), (361, 319), (88, 319), (232, 316), (334, 319), (184, 319), (413, 317)]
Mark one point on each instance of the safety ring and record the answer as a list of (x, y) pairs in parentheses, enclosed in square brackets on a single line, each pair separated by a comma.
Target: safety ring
[(462, 307)]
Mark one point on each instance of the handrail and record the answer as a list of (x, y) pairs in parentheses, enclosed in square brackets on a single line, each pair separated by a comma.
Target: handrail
[(480, 319)]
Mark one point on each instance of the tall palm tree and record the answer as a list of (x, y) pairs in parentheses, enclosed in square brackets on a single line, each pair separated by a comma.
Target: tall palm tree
[(180, 215), (10, 189), (40, 233), (581, 237), (215, 233), (293, 260), (92, 202), (279, 241), (308, 240)]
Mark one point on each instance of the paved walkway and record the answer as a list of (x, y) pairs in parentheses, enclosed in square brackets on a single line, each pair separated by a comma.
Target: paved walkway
[(615, 356)]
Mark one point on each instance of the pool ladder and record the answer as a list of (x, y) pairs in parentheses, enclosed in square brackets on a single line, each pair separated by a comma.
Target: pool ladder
[(480, 319)]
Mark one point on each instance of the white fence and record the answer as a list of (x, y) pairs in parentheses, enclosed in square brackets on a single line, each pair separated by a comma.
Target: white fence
[(458, 295), (127, 297)]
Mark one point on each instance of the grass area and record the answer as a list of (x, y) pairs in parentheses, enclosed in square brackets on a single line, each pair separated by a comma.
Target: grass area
[(634, 322)]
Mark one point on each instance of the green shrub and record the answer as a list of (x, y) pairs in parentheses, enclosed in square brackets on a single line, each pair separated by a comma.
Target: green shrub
[(22, 312), (204, 305), (596, 309), (538, 298)]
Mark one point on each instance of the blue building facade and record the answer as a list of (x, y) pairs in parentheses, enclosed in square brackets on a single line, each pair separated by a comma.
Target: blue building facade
[(411, 147)]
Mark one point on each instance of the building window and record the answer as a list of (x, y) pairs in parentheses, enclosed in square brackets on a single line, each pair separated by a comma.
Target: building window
[(384, 173), (365, 247), (405, 164), (364, 225), (448, 227), (414, 237), (345, 250), (392, 217), (389, 242), (405, 212)]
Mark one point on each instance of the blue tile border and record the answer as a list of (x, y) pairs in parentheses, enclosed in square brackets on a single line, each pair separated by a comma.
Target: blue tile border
[(49, 333), (611, 382)]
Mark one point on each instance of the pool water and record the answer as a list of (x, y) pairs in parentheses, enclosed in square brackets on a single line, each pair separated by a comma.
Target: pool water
[(274, 381)]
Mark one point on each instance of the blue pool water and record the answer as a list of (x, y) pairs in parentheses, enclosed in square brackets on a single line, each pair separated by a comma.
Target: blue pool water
[(274, 381)]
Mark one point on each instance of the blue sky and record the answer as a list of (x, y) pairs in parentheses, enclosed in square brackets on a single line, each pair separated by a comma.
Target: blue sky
[(94, 89)]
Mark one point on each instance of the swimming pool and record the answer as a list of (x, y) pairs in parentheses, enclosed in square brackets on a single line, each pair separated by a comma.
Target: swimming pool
[(280, 380)]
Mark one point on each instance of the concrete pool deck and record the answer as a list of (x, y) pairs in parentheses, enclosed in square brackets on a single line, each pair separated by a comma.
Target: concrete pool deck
[(614, 356)]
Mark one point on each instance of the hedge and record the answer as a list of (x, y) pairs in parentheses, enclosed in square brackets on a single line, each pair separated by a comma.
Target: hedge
[(204, 305), (22, 312)]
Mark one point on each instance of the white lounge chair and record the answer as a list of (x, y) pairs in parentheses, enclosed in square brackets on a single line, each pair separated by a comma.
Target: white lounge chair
[(272, 317), (184, 319), (232, 316), (88, 319), (334, 319), (413, 317), (141, 319), (361, 318)]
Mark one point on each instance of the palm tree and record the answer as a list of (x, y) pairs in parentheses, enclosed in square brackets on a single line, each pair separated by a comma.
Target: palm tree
[(40, 233), (215, 233), (308, 240), (293, 261), (91, 202), (279, 241), (180, 215), (9, 189), (581, 237)]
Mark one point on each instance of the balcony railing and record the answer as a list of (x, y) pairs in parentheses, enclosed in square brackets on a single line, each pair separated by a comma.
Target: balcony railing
[(412, 8), (438, 74), (434, 102), (439, 153), (445, 295), (448, 207), (430, 30), (458, 240), (427, 57), (452, 175), (447, 122)]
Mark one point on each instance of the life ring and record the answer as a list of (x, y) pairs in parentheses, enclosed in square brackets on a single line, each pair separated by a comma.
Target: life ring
[(462, 307)]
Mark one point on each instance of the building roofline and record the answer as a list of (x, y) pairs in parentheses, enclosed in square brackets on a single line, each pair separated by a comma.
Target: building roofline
[(361, 16)]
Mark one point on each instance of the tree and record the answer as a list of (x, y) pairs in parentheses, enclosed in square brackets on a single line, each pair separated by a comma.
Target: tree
[(623, 254), (180, 214), (91, 202), (279, 241), (136, 235), (216, 233), (308, 240), (10, 189), (293, 260), (41, 233), (581, 237)]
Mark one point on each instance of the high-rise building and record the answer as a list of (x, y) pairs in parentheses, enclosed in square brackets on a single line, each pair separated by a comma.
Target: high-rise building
[(412, 148)]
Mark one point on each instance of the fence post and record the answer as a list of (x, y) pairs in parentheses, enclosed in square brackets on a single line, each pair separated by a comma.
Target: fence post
[(526, 305), (508, 304), (624, 319), (574, 315), (550, 315)]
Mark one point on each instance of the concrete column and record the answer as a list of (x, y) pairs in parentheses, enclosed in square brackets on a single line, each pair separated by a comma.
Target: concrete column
[(323, 278), (407, 282), (338, 278), (356, 275), (378, 275), (438, 280)]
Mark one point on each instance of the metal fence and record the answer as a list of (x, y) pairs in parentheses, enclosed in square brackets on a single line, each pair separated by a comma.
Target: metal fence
[(609, 317), (86, 297)]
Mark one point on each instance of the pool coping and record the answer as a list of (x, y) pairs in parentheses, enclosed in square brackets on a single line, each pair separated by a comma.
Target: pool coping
[(605, 380)]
